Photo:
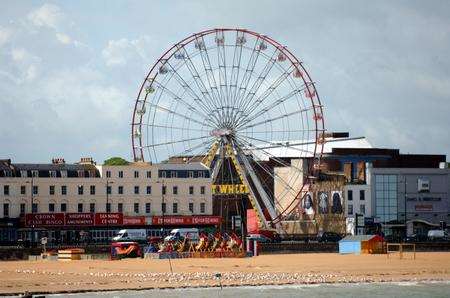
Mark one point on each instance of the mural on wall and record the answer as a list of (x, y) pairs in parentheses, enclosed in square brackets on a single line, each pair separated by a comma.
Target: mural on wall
[(336, 202), (308, 205), (323, 202)]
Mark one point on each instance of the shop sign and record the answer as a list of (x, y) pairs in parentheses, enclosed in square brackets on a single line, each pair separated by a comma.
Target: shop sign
[(79, 219), (103, 219), (134, 220), (186, 220), (424, 207), (44, 219), (229, 189)]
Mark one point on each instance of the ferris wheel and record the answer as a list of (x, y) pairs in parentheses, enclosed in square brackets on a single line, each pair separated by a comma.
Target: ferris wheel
[(234, 96)]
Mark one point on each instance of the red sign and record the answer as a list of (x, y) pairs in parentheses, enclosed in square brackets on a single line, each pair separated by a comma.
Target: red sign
[(134, 220), (423, 207), (79, 219), (186, 220), (103, 219), (44, 219)]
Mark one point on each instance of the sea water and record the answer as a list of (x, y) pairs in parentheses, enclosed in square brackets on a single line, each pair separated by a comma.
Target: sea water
[(384, 290)]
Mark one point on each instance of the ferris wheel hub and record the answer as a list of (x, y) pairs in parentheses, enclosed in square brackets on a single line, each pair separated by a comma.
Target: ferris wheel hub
[(221, 132)]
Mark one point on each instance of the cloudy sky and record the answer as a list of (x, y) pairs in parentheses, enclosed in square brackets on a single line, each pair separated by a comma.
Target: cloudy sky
[(70, 70)]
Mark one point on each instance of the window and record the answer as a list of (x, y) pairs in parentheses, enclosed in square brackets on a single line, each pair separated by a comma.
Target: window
[(163, 207), (136, 207), (200, 174), (120, 174), (108, 174), (81, 173), (362, 194), (23, 173), (80, 189), (362, 209), (136, 174), (108, 189), (52, 174), (63, 174), (35, 189), (175, 208), (149, 174), (80, 207), (6, 190), (51, 207), (386, 197), (6, 210), (120, 207), (108, 207), (92, 207), (350, 195), (350, 209), (34, 208), (63, 190), (136, 190), (191, 207), (149, 190), (63, 207), (92, 189), (202, 207), (173, 174), (163, 174), (190, 174), (147, 208), (22, 208), (120, 190), (202, 190), (163, 190), (34, 173), (51, 190), (175, 190), (23, 189), (191, 190)]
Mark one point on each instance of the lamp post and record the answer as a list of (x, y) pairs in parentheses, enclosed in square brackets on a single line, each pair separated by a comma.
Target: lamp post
[(162, 204)]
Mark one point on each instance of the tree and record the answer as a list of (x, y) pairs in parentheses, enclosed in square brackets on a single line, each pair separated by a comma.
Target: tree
[(115, 161)]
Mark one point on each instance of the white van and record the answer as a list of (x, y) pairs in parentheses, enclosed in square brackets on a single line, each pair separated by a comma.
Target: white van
[(138, 235), (177, 234), (436, 235)]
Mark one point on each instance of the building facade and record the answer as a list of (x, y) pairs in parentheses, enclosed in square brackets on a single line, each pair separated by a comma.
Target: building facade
[(60, 198)]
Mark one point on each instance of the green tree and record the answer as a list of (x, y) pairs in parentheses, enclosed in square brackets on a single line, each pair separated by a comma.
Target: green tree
[(115, 161)]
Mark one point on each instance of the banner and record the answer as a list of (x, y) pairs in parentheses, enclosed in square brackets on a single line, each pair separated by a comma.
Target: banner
[(112, 219), (134, 220), (186, 220), (44, 219), (79, 219)]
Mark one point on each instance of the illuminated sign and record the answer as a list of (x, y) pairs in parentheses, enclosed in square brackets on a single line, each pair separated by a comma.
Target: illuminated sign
[(229, 189)]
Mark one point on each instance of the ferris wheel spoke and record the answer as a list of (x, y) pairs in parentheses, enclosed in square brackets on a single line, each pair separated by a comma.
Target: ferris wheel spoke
[(174, 142), (271, 120), (206, 109), (246, 77), (222, 65), (253, 107), (180, 100), (169, 111), (258, 82), (280, 144), (199, 82), (204, 145)]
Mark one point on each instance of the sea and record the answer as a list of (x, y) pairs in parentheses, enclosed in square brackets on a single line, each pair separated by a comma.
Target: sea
[(385, 290)]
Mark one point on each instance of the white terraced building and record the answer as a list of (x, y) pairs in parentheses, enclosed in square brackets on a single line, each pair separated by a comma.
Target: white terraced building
[(141, 192)]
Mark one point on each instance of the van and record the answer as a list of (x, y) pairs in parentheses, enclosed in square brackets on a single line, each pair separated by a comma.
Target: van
[(138, 235), (437, 235), (179, 234)]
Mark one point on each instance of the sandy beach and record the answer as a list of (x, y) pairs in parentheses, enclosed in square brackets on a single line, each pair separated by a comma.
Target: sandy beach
[(87, 275)]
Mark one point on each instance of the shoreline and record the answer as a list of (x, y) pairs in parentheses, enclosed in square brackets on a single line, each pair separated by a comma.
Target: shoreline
[(280, 285), (56, 277)]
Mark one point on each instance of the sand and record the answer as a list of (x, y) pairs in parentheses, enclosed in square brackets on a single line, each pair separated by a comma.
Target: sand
[(92, 275)]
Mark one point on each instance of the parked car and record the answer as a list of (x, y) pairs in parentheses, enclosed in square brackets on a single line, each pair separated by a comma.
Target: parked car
[(438, 235), (328, 237), (416, 238)]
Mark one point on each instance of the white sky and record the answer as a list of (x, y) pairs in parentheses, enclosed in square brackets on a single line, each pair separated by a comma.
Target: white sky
[(70, 70)]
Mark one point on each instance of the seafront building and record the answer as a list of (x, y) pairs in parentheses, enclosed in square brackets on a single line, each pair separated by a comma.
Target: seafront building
[(64, 201)]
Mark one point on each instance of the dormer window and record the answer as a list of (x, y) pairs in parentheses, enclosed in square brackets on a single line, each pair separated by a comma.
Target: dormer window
[(200, 174), (23, 174), (52, 174), (91, 174), (7, 173), (173, 174), (35, 173), (81, 174), (63, 174)]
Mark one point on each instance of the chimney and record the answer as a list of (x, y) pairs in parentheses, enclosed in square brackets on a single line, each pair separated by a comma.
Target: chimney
[(86, 161), (58, 161)]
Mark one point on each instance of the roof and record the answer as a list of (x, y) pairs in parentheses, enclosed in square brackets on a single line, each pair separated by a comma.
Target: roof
[(359, 237), (297, 149), (182, 166), (52, 167)]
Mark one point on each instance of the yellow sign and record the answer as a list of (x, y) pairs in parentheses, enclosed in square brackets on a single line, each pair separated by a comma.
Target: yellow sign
[(229, 189)]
